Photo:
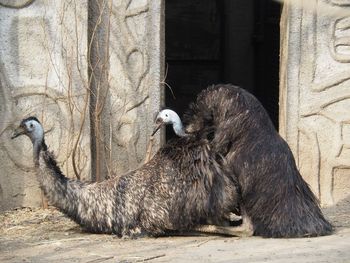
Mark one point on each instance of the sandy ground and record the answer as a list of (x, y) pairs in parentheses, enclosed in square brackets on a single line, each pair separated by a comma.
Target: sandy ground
[(37, 235)]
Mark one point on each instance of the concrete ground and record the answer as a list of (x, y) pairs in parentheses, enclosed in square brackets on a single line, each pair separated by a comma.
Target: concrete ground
[(36, 235)]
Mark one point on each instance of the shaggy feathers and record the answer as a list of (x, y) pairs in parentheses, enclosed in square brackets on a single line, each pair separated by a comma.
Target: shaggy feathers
[(233, 154), (182, 186), (274, 195)]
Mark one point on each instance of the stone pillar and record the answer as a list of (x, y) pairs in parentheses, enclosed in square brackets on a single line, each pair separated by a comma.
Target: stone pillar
[(99, 36), (135, 91), (43, 72), (315, 94)]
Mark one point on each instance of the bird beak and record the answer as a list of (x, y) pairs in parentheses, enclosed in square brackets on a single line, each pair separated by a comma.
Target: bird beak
[(18, 132), (159, 123)]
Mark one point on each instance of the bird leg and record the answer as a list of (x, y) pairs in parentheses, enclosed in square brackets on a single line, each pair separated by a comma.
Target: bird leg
[(44, 202), (246, 229), (237, 231)]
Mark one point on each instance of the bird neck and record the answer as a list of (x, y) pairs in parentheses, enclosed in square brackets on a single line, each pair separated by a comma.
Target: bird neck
[(179, 128), (38, 146)]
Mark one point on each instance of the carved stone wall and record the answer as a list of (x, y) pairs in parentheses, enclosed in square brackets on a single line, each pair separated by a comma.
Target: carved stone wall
[(315, 95), (91, 72), (43, 72), (135, 71)]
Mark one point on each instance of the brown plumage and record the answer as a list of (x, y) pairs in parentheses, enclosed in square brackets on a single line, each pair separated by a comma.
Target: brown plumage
[(274, 196), (181, 187)]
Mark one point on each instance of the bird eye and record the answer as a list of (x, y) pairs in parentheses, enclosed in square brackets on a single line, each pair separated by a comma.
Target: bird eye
[(31, 125), (166, 115)]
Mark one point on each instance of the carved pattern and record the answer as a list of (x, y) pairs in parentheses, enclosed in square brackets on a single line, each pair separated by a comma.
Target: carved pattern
[(130, 46), (34, 31), (23, 107), (340, 2), (327, 116), (340, 40), (16, 4), (336, 46), (52, 91), (62, 53), (50, 107)]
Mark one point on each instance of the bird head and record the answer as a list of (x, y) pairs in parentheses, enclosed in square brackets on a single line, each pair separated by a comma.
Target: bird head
[(31, 127), (166, 117)]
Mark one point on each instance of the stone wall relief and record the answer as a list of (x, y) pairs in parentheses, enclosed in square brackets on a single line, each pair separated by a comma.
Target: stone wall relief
[(16, 4), (345, 3), (129, 82), (324, 103), (39, 75), (46, 71)]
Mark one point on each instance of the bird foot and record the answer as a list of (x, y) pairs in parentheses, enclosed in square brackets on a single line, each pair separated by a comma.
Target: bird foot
[(237, 231)]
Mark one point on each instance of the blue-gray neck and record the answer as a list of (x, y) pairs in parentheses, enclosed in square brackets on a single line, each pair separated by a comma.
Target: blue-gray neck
[(179, 129), (38, 145)]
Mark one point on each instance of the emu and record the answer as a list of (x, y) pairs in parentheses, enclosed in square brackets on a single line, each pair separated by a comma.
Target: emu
[(183, 186), (275, 201)]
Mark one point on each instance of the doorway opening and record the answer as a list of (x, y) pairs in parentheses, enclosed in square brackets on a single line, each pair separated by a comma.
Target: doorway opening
[(222, 41)]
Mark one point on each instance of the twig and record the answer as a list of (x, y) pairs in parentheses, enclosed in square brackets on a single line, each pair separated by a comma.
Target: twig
[(149, 149), (99, 260), (137, 104), (165, 83), (204, 242), (150, 258)]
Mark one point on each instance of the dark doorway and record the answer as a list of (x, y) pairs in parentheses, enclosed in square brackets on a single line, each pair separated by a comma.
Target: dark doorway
[(222, 41)]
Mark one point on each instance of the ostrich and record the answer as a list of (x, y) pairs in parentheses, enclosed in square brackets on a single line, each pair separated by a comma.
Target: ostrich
[(275, 201), (182, 186)]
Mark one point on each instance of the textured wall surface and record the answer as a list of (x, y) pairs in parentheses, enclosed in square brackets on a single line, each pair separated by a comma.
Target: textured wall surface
[(315, 95), (43, 72), (130, 34), (90, 71), (136, 70)]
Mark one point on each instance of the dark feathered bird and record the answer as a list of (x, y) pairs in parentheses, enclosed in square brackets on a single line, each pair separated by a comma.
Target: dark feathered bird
[(182, 186), (274, 197)]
